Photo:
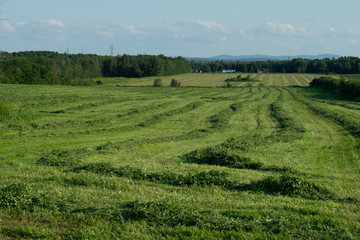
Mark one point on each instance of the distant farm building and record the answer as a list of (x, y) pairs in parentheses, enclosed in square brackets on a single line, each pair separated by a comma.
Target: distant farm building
[(228, 71), (264, 70)]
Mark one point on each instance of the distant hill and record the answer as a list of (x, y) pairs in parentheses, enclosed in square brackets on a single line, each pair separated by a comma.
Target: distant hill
[(259, 57)]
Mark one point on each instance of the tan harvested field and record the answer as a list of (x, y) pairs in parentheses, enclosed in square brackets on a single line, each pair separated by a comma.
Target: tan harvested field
[(218, 80)]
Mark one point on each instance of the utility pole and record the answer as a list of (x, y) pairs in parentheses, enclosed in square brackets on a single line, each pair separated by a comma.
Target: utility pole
[(112, 49)]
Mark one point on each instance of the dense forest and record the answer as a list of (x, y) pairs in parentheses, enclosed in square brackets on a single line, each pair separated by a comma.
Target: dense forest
[(43, 67), (343, 65), (71, 69), (143, 66)]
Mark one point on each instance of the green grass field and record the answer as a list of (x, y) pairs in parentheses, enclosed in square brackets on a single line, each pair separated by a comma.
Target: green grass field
[(261, 162), (217, 80)]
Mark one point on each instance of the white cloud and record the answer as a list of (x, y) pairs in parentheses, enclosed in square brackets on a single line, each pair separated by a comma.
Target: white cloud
[(280, 28), (352, 31), (130, 28), (353, 41), (116, 31), (331, 29), (22, 23), (8, 27), (210, 25), (194, 31), (104, 34), (301, 30), (285, 29), (242, 31), (56, 23)]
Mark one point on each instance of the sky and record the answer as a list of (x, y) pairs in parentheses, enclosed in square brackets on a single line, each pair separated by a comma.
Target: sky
[(188, 28)]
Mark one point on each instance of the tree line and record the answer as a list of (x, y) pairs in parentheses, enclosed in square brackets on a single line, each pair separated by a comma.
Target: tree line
[(343, 65), (44, 67)]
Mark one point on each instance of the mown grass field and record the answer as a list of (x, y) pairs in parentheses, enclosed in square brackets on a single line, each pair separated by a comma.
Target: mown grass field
[(218, 80), (179, 163)]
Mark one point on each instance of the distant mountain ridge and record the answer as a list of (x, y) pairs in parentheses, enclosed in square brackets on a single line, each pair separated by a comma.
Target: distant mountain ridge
[(259, 57)]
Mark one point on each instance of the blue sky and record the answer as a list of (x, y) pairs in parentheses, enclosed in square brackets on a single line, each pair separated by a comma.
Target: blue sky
[(195, 28)]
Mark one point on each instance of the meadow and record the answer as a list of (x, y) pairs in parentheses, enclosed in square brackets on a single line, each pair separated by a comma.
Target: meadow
[(269, 161), (218, 80)]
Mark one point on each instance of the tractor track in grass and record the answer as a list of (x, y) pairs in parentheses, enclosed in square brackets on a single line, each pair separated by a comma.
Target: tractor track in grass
[(257, 119), (285, 128)]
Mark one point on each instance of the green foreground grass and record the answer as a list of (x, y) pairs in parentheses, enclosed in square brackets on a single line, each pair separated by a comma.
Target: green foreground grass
[(178, 163)]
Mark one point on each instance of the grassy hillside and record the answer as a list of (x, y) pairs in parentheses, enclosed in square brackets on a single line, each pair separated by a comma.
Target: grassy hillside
[(218, 80), (198, 163)]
